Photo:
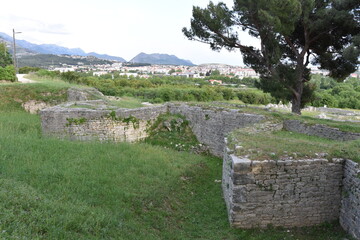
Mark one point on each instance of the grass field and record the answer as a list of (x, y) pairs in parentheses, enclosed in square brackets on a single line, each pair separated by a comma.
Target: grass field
[(57, 189)]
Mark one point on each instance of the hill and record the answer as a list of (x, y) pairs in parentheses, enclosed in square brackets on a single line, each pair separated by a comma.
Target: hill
[(106, 57), (157, 58), (27, 48), (47, 60)]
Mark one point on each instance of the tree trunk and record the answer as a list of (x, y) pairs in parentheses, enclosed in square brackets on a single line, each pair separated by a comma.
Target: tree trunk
[(296, 99)]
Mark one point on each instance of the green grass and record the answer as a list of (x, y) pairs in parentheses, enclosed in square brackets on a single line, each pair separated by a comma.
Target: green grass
[(307, 117), (284, 145), (57, 189), (54, 189), (53, 82), (127, 102), (12, 95)]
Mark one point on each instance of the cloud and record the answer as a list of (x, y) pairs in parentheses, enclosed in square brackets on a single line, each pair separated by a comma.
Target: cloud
[(27, 24), (53, 29)]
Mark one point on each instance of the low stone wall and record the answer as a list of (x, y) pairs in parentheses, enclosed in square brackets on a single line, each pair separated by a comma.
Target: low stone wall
[(68, 121), (211, 125), (350, 204), (289, 193), (319, 130)]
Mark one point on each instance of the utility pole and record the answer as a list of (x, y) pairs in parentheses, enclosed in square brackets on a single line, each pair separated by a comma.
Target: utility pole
[(14, 51)]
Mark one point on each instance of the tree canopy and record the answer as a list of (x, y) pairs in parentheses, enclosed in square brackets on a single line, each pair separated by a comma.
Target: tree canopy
[(293, 34)]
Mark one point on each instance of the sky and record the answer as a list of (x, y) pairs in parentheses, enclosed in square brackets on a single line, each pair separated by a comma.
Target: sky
[(121, 28)]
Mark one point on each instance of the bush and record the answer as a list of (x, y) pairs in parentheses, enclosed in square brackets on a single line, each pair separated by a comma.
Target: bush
[(227, 93), (8, 73), (26, 70), (324, 98), (254, 97), (47, 73)]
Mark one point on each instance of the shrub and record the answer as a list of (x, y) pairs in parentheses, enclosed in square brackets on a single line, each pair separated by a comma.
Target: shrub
[(324, 98), (8, 73), (26, 70), (254, 97), (47, 73)]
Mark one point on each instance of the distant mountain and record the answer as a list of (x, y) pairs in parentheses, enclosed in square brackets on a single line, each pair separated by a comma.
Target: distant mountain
[(51, 60), (31, 48), (25, 48), (106, 57), (157, 58)]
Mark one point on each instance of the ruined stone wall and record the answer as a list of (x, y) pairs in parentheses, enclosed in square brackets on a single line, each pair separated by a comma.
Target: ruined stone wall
[(97, 124), (288, 193), (284, 193), (350, 204), (319, 130), (211, 125)]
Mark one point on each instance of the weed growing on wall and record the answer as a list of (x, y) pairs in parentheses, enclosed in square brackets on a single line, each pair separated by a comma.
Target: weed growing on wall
[(75, 121), (173, 131), (128, 120)]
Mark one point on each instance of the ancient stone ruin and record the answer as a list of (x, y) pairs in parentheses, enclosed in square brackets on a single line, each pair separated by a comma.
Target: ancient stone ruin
[(288, 193)]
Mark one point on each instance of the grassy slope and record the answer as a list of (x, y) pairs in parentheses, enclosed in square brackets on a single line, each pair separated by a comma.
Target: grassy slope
[(56, 189)]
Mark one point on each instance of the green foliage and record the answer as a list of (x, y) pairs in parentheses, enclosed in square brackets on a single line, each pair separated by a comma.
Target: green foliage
[(26, 70), (131, 119), (254, 97), (5, 56), (75, 121), (215, 73), (337, 94), (155, 89), (50, 60), (289, 31), (173, 131), (46, 73), (8, 73)]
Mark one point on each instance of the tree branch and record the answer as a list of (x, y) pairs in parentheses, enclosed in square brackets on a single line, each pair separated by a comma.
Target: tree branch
[(238, 45), (289, 42)]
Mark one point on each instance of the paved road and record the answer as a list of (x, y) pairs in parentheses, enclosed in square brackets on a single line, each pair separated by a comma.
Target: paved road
[(22, 79)]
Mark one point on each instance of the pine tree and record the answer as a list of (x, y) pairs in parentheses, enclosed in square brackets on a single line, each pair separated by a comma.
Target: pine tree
[(293, 34)]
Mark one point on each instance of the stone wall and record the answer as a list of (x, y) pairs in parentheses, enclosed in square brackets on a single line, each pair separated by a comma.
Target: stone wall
[(211, 125), (288, 193), (81, 123), (350, 204), (319, 130), (91, 121)]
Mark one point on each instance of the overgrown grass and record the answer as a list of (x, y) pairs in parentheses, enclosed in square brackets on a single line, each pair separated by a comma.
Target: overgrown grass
[(13, 95), (290, 145), (57, 189), (173, 131)]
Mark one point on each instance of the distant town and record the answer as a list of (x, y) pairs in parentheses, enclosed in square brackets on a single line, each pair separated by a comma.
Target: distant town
[(147, 70)]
